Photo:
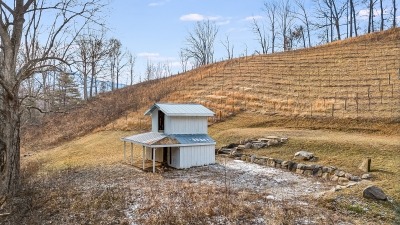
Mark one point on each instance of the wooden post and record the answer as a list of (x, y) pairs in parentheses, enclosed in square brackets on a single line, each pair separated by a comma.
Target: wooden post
[(154, 160), (124, 151), (143, 155), (131, 153)]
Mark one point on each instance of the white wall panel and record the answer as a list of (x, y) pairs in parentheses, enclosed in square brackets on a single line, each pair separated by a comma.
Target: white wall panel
[(186, 125)]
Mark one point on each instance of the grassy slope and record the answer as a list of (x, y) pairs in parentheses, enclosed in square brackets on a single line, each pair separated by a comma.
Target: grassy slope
[(336, 140)]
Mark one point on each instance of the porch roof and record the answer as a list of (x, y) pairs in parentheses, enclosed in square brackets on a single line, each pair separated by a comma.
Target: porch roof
[(154, 139)]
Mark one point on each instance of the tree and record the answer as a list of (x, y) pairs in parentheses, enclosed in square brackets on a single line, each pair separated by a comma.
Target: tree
[(285, 20), (116, 56), (25, 51), (200, 43), (131, 65), (261, 36), (67, 93), (270, 8), (303, 17), (394, 13), (228, 47)]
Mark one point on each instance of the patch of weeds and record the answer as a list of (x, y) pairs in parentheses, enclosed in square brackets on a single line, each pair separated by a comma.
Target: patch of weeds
[(356, 209)]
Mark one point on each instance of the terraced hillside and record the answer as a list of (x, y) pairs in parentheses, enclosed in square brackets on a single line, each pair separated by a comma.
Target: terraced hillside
[(354, 78)]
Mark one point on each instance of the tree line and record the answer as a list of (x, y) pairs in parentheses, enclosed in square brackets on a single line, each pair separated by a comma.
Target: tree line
[(291, 24)]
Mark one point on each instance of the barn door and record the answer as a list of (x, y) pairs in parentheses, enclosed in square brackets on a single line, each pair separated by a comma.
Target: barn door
[(161, 118)]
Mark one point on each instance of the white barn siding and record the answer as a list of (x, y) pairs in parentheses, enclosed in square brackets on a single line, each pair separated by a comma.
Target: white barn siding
[(175, 156), (196, 156), (154, 121), (186, 125)]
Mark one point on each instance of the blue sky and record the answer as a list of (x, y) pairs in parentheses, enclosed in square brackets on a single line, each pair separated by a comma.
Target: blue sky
[(157, 29)]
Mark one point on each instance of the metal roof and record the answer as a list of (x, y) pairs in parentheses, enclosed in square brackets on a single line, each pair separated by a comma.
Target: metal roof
[(145, 138), (193, 138), (171, 109), (153, 139)]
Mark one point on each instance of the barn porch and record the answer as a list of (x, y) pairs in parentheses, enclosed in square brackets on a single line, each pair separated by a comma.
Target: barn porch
[(177, 150)]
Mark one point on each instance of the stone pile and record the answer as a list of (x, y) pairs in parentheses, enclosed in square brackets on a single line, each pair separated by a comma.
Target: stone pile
[(325, 172), (235, 149)]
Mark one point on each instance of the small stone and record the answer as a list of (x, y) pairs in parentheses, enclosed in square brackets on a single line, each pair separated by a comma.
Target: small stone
[(292, 166), (355, 178), (340, 173), (366, 176), (270, 197), (351, 183), (241, 147), (303, 155), (248, 145), (334, 178), (284, 139), (299, 171), (374, 192), (285, 164), (325, 176), (343, 180), (314, 159), (252, 158), (348, 175), (243, 158)]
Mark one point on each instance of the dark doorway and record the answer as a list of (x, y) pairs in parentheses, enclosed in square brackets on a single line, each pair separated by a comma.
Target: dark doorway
[(165, 155), (161, 118)]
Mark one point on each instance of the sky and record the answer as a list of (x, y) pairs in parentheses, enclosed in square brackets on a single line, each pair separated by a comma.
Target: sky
[(156, 29)]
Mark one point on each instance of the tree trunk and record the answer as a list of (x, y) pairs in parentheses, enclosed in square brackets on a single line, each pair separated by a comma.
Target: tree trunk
[(9, 144), (394, 13), (382, 22)]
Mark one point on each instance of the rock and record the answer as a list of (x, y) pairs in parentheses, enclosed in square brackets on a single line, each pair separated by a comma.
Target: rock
[(340, 173), (273, 142), (284, 139), (350, 184), (348, 175), (270, 197), (314, 159), (231, 145), (334, 178), (366, 176), (343, 180), (375, 193), (299, 171), (317, 171), (285, 164), (252, 158), (259, 145), (248, 145), (292, 166), (241, 147), (243, 158), (304, 155), (365, 165), (308, 172), (301, 166), (325, 176), (355, 178)]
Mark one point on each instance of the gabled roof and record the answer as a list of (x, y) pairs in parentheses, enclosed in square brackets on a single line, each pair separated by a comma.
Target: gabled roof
[(152, 139), (171, 109)]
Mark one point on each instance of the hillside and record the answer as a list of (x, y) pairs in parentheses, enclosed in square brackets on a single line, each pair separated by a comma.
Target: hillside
[(355, 78)]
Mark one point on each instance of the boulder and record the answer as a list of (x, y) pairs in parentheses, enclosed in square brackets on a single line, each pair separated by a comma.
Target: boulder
[(375, 193), (343, 180), (240, 147), (303, 155), (253, 158)]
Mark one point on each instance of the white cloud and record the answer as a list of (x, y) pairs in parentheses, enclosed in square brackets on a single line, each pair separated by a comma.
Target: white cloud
[(159, 3), (223, 22), (192, 17), (199, 17), (148, 54), (365, 13), (251, 18)]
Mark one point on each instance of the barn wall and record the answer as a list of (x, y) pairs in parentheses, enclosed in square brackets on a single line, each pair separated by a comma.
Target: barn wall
[(196, 156), (154, 121), (185, 125)]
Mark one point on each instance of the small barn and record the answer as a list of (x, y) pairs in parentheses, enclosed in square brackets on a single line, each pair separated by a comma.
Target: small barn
[(178, 138)]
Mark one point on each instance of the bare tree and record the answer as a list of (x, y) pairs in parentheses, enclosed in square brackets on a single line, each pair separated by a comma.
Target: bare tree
[(353, 18), (131, 65), (331, 12), (184, 60), (285, 20), (394, 24), (228, 47), (304, 18), (200, 43), (261, 36), (22, 24), (116, 57), (270, 8)]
